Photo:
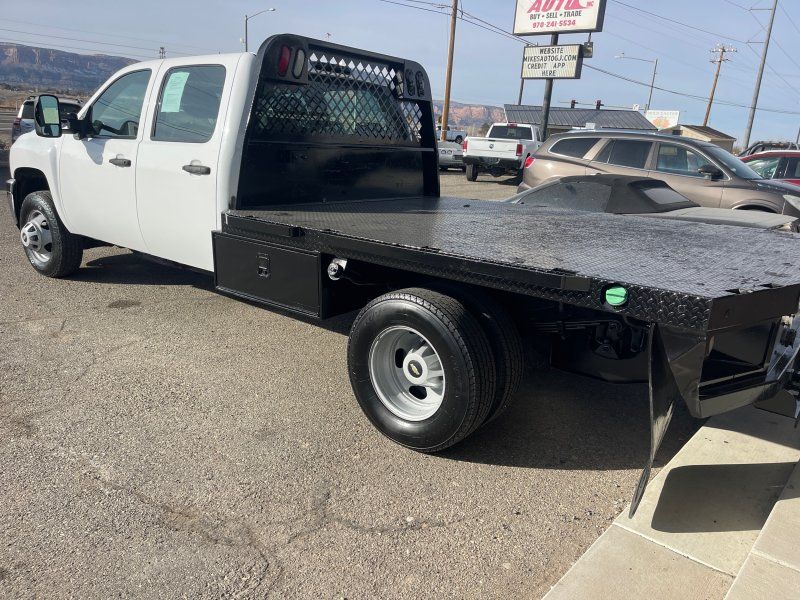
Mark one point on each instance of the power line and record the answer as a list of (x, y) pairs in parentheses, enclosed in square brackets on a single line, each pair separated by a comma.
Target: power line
[(72, 39), (63, 47), (115, 35), (604, 71), (687, 25)]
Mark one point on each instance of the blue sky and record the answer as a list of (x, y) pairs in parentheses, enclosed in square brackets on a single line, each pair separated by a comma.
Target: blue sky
[(487, 64)]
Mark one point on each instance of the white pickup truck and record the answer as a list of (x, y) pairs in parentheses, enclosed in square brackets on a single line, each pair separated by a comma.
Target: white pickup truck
[(503, 151), (306, 178)]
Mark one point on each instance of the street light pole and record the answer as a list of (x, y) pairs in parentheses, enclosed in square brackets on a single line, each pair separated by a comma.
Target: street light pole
[(247, 18), (652, 80)]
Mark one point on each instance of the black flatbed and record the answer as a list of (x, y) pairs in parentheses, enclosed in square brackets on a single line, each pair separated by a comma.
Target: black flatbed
[(689, 275)]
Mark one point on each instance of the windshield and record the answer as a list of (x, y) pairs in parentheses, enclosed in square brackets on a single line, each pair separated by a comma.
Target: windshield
[(733, 164), (510, 132)]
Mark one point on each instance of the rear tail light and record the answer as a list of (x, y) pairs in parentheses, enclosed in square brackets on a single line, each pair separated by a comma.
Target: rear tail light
[(283, 60), (528, 162), (519, 149), (464, 145)]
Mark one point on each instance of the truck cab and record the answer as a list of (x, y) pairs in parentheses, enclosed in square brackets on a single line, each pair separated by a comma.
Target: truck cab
[(149, 162)]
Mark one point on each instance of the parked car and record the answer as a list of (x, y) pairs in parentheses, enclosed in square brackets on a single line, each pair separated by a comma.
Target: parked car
[(703, 172), (624, 195), (776, 164), (451, 156), (503, 151), (760, 147), (453, 135), (23, 123)]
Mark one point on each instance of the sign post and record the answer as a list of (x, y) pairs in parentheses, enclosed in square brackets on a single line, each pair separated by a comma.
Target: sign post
[(541, 17)]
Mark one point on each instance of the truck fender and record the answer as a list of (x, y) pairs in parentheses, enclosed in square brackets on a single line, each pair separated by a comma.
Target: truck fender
[(26, 180)]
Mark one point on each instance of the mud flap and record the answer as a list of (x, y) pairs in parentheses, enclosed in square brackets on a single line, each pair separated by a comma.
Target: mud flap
[(669, 351)]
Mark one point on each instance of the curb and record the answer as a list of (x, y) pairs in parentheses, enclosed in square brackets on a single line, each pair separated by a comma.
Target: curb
[(704, 520)]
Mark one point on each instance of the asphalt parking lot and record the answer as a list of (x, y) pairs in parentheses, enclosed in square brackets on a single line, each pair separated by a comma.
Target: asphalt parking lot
[(160, 440)]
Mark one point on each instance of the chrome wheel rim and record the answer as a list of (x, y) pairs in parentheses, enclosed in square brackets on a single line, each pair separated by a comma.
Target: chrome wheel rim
[(36, 237), (406, 373)]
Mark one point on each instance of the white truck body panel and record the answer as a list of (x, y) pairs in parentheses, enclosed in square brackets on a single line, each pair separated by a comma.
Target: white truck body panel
[(153, 205)]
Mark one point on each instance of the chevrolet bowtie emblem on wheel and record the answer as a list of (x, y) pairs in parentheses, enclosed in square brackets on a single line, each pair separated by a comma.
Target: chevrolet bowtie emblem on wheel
[(414, 369)]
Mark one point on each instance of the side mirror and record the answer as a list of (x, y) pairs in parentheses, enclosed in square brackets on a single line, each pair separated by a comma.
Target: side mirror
[(710, 172), (46, 116)]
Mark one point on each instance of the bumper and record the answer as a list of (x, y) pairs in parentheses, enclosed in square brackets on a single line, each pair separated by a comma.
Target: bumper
[(511, 165), (11, 183), (451, 162)]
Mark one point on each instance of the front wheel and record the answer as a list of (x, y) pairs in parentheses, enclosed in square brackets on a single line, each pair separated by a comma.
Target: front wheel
[(422, 368), (51, 249)]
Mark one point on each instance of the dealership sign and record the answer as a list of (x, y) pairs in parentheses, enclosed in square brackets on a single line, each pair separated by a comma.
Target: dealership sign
[(552, 62), (534, 17), (663, 118)]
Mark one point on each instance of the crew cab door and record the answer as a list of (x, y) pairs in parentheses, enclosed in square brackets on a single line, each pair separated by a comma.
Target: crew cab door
[(97, 173), (176, 177)]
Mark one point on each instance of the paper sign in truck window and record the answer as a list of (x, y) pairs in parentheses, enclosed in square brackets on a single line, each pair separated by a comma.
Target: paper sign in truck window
[(173, 92)]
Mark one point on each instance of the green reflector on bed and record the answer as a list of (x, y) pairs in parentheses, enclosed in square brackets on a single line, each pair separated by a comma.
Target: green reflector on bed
[(616, 295)]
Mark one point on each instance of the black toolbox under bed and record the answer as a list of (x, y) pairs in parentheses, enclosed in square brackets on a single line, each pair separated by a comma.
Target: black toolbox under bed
[(687, 275)]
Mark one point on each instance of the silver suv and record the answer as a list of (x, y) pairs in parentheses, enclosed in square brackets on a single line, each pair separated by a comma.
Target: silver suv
[(702, 172)]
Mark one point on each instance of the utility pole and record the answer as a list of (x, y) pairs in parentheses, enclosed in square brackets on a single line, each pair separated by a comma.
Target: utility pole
[(721, 49), (652, 85), (759, 77), (548, 96), (449, 75)]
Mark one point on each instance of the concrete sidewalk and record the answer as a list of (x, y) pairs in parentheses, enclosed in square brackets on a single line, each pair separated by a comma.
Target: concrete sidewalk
[(721, 520)]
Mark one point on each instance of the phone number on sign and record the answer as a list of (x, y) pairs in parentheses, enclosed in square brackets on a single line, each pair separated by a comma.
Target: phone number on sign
[(561, 23)]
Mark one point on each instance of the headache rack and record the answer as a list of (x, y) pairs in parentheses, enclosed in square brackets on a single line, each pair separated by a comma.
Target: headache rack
[(329, 123)]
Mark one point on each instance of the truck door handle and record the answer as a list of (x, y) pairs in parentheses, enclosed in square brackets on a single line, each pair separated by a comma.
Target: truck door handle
[(120, 162), (197, 169)]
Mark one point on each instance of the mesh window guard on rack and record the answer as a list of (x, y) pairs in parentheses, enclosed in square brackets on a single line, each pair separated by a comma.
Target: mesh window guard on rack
[(346, 97)]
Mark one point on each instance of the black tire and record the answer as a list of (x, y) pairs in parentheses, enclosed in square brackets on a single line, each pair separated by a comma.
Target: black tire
[(519, 176), (466, 358), (66, 249), (472, 172), (504, 338)]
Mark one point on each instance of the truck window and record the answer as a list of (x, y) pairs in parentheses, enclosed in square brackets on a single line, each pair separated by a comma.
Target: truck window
[(574, 147), (117, 111), (188, 104), (792, 169), (510, 132), (765, 167)]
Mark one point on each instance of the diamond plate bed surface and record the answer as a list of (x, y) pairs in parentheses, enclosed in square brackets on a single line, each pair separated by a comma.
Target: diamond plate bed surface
[(688, 258)]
